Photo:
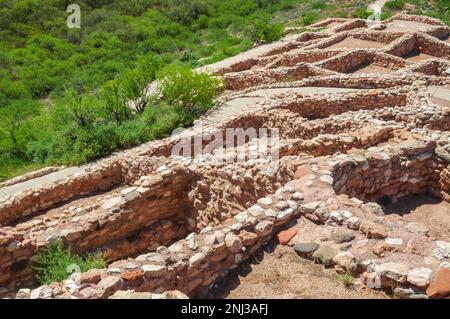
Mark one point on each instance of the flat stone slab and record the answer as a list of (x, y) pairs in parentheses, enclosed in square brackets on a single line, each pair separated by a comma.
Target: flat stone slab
[(306, 250)]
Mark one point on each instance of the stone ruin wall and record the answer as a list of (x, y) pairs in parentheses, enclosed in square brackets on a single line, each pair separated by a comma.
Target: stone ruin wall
[(30, 202), (153, 203), (194, 264), (377, 176)]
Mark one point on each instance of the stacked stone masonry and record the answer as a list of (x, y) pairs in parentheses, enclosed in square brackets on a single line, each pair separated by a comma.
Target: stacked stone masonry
[(166, 223)]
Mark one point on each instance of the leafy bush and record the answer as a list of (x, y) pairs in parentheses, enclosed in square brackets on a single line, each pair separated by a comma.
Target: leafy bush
[(362, 13), (395, 4), (265, 31), (184, 88), (56, 263), (309, 17)]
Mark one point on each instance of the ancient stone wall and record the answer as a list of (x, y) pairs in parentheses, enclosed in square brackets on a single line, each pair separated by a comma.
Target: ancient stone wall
[(433, 46), (132, 211), (292, 58), (352, 24), (314, 107), (377, 36), (344, 62), (246, 79), (194, 264), (103, 177), (402, 46), (374, 175)]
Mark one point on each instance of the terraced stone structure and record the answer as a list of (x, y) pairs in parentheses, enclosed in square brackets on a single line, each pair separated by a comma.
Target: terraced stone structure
[(377, 134)]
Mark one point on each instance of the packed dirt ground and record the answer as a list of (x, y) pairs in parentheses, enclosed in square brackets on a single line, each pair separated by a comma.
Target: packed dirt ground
[(277, 272)]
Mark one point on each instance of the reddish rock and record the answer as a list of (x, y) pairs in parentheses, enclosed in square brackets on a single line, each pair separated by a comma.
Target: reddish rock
[(373, 231), (109, 285), (131, 276), (440, 286), (248, 238), (381, 249), (415, 246), (285, 236), (92, 276)]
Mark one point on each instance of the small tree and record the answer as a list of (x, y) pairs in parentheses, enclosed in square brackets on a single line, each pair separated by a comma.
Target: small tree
[(184, 88), (265, 31), (129, 94)]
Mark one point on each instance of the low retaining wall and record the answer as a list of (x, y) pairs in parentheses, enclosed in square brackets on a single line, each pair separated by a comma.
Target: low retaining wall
[(102, 177), (376, 174)]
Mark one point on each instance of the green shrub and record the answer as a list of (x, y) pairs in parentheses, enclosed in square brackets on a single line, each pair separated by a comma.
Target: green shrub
[(309, 17), (395, 4), (362, 13), (265, 31), (184, 88), (347, 278), (56, 263)]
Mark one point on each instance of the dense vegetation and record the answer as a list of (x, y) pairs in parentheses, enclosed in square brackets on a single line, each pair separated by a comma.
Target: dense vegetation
[(56, 263), (64, 92), (437, 9)]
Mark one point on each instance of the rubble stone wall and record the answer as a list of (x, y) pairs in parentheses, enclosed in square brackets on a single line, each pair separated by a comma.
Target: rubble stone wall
[(402, 46), (246, 79), (109, 221), (432, 46), (373, 175), (313, 107), (344, 62), (377, 36), (292, 58), (100, 179), (352, 24)]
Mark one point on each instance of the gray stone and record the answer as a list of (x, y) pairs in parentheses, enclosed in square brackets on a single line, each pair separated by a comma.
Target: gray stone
[(265, 202), (337, 218), (196, 259), (443, 154), (373, 208), (445, 264), (395, 271), (310, 207), (233, 243), (322, 213), (408, 293), (130, 193), (109, 285), (353, 223), (297, 196), (264, 228), (342, 236), (420, 277), (306, 250), (282, 205), (110, 203), (417, 228), (324, 255)]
